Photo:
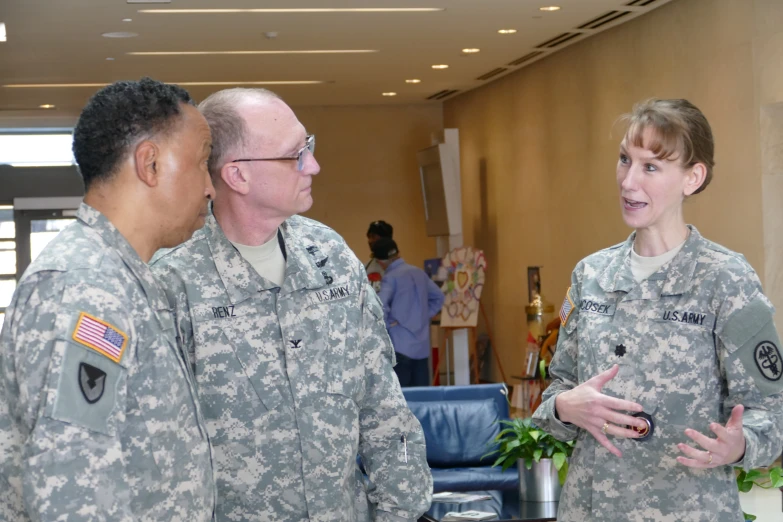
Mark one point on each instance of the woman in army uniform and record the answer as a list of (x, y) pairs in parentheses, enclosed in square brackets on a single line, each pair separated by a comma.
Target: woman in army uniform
[(668, 370)]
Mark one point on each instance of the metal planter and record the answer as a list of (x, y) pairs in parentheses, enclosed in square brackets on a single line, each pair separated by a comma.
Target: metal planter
[(539, 483)]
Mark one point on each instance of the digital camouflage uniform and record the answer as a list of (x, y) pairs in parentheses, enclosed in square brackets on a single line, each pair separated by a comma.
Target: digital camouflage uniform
[(693, 340), (98, 412), (295, 381)]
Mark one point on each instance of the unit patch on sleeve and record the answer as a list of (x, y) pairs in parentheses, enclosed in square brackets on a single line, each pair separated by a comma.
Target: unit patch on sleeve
[(92, 382), (767, 357), (752, 340), (100, 336)]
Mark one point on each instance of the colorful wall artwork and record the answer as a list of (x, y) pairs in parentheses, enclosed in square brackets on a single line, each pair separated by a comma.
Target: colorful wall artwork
[(464, 268)]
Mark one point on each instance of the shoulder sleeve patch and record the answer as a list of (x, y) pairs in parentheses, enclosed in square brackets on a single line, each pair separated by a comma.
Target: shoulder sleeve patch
[(751, 338), (100, 336), (567, 308), (87, 389)]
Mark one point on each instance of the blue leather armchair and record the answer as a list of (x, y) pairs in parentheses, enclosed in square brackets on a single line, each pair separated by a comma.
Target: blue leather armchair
[(459, 424)]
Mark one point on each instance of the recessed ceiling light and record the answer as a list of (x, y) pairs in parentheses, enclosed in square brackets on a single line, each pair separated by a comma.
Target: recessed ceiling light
[(127, 19), (110, 59), (413, 80), (120, 34), (507, 31), (191, 84), (46, 106), (440, 66), (471, 50), (549, 8), (197, 53), (2, 32), (298, 10), (390, 94)]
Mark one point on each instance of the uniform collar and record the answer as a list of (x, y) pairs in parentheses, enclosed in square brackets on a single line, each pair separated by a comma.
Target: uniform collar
[(115, 240), (240, 278), (676, 276), (305, 260)]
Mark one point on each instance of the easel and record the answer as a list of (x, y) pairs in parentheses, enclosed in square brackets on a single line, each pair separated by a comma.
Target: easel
[(472, 352)]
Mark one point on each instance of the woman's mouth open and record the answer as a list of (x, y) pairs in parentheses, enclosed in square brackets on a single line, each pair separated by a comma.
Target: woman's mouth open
[(631, 204)]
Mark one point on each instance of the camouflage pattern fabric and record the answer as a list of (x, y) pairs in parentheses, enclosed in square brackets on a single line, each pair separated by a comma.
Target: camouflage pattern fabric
[(295, 381), (692, 341), (98, 411)]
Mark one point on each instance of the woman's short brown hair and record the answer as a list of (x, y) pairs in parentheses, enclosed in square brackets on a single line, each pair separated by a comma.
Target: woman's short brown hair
[(679, 132)]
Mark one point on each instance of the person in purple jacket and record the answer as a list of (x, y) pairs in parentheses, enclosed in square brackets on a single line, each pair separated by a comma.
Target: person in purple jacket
[(410, 299)]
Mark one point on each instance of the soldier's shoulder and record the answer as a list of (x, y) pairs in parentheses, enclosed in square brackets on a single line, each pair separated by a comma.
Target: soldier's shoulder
[(725, 269), (66, 286), (719, 256), (312, 229), (181, 255), (77, 254), (75, 248), (601, 259), (314, 235)]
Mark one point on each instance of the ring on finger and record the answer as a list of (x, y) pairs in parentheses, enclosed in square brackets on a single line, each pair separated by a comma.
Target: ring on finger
[(606, 427), (709, 453)]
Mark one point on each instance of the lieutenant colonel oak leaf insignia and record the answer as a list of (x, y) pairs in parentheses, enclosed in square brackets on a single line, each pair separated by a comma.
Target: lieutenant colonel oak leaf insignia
[(567, 308), (100, 336)]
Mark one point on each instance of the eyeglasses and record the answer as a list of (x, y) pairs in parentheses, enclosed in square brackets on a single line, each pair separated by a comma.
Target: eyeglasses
[(300, 155)]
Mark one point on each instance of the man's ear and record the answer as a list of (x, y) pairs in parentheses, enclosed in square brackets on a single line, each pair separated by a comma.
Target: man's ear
[(233, 176), (146, 157)]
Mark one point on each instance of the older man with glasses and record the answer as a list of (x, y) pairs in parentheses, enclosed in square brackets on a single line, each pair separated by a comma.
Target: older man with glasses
[(287, 339)]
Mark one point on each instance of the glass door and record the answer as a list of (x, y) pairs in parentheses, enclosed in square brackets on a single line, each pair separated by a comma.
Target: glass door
[(7, 258), (35, 229)]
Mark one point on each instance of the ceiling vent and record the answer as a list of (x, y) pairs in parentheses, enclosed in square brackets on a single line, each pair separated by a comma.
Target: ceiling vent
[(442, 94), (492, 73), (558, 40), (640, 3), (609, 17), (526, 58)]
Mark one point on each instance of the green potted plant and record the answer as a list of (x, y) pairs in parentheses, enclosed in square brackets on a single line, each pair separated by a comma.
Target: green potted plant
[(541, 459), (766, 478)]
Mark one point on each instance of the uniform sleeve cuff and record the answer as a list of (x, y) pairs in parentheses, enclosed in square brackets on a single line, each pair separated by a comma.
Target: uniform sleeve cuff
[(741, 463), (545, 418)]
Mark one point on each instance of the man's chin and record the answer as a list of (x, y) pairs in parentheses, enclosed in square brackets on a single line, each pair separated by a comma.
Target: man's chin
[(306, 205)]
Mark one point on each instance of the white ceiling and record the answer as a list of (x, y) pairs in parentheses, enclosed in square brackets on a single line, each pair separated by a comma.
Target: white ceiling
[(59, 41)]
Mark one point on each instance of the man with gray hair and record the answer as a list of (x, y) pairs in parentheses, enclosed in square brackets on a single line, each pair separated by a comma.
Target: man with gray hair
[(287, 339)]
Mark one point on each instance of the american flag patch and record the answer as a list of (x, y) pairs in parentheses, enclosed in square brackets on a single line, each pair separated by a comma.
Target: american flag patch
[(100, 336), (567, 308)]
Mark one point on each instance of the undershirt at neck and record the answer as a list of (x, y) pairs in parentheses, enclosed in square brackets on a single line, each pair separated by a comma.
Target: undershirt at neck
[(643, 267), (266, 259)]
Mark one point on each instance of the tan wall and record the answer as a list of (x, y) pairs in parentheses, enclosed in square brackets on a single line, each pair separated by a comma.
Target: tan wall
[(538, 160), (768, 62), (369, 172)]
